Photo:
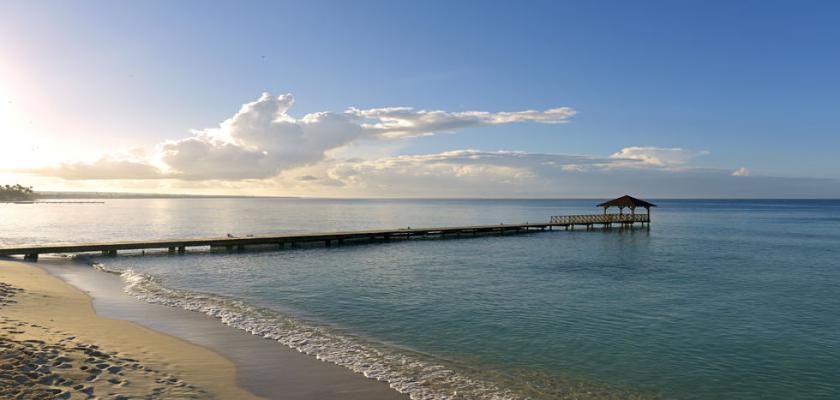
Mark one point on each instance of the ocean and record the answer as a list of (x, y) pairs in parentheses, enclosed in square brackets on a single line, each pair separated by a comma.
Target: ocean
[(717, 299)]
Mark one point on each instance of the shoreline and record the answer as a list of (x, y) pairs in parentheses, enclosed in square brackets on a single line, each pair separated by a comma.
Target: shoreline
[(55, 346), (262, 367)]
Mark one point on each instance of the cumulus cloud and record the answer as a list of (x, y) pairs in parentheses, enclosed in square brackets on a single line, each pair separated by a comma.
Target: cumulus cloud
[(658, 157), (262, 139), (259, 141), (741, 172)]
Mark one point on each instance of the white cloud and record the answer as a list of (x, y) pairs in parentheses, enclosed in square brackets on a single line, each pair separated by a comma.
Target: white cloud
[(658, 157), (494, 167), (470, 173), (407, 122), (259, 141), (473, 173), (262, 139), (741, 172), (262, 149)]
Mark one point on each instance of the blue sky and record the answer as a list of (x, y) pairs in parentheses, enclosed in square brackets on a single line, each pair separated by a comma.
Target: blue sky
[(745, 84)]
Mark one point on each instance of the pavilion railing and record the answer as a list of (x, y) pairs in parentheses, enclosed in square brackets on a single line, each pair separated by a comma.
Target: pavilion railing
[(598, 219)]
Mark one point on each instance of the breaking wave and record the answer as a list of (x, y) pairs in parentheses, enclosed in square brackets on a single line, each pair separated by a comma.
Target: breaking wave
[(421, 377)]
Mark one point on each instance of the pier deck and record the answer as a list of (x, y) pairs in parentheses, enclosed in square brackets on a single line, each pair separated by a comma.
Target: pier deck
[(31, 252)]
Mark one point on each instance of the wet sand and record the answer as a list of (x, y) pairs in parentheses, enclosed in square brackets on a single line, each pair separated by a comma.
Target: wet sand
[(53, 345), (264, 367)]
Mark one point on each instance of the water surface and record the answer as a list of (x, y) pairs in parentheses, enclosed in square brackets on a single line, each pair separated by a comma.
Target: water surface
[(719, 299)]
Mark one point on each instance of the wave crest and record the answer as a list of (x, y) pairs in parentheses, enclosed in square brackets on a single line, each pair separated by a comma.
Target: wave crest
[(419, 376)]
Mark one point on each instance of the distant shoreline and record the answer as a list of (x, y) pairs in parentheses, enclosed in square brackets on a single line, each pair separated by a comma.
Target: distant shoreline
[(119, 195), (52, 195)]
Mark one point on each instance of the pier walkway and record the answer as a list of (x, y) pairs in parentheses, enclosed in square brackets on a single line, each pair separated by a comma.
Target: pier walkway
[(31, 252)]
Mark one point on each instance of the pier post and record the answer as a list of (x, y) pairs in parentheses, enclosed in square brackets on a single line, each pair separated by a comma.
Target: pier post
[(171, 249), (240, 247), (109, 253), (182, 249), (328, 243), (33, 257)]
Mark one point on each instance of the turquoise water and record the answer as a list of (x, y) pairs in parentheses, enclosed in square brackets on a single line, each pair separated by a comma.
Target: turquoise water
[(718, 299)]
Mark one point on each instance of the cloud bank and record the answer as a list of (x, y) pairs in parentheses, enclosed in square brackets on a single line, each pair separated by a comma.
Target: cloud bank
[(473, 173), (265, 147)]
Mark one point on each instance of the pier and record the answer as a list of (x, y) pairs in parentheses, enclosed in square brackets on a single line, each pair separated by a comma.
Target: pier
[(287, 240)]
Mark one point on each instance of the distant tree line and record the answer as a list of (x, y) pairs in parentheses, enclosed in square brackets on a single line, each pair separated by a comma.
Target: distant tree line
[(16, 193)]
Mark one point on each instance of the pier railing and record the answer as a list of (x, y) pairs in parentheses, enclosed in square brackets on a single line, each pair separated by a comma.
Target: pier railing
[(598, 219)]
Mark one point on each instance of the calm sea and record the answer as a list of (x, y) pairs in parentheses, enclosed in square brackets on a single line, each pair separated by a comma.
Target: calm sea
[(718, 299)]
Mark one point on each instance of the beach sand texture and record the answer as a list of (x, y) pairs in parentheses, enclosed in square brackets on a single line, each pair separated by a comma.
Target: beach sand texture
[(53, 345)]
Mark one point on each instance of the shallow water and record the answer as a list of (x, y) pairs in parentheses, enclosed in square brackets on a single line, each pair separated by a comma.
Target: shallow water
[(719, 299)]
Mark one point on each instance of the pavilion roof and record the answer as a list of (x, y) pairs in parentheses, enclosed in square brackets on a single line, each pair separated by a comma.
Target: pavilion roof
[(626, 201)]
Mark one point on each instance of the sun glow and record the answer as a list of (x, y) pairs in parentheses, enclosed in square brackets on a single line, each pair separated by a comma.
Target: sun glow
[(19, 148), (21, 144)]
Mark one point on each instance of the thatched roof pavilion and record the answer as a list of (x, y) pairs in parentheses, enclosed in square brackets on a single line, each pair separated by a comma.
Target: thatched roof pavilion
[(627, 202)]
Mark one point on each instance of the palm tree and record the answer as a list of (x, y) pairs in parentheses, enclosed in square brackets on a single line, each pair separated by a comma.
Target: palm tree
[(16, 193)]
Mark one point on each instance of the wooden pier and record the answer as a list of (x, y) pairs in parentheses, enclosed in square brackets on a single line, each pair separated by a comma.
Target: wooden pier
[(281, 241), (31, 252)]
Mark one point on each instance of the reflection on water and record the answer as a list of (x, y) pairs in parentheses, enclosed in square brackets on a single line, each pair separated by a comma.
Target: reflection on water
[(715, 289)]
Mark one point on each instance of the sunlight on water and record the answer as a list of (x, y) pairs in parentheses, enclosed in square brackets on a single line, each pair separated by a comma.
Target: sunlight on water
[(719, 299)]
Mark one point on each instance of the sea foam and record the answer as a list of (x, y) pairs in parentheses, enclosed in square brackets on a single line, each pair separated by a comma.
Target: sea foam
[(418, 375)]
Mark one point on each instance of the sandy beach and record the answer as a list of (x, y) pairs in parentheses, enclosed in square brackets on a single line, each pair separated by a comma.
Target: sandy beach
[(54, 345)]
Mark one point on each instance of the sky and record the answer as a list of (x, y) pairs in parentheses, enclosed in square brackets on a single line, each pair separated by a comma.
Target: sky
[(733, 99)]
